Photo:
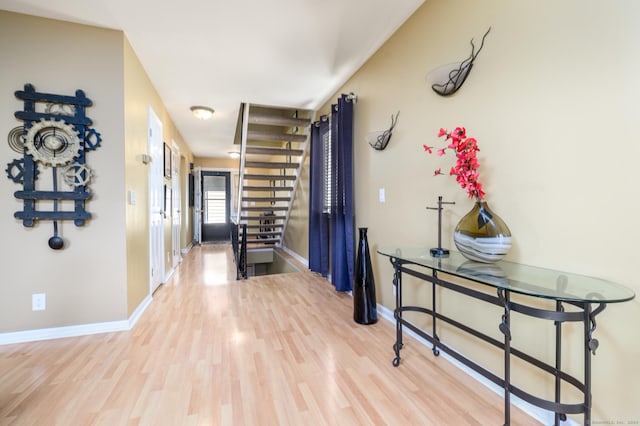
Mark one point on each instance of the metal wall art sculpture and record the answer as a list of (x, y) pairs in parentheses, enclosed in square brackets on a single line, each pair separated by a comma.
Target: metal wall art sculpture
[(447, 79), (380, 140), (55, 135)]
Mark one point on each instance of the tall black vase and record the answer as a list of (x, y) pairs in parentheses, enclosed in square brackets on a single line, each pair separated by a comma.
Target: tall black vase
[(365, 309)]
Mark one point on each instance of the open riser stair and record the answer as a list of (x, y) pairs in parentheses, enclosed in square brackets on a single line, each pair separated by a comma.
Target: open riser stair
[(273, 148)]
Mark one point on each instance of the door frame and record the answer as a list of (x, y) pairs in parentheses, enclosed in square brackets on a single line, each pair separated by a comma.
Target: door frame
[(156, 200), (197, 208), (217, 231), (176, 204), (197, 205)]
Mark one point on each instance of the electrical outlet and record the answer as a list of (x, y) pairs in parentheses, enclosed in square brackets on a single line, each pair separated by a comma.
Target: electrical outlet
[(38, 302)]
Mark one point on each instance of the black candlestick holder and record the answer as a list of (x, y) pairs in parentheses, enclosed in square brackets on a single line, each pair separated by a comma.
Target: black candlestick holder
[(439, 251)]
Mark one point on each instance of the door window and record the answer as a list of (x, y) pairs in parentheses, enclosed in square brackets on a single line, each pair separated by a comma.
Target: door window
[(215, 200)]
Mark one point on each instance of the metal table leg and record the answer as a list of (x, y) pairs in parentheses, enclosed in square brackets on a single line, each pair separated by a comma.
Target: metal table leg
[(434, 318), (397, 282), (503, 295)]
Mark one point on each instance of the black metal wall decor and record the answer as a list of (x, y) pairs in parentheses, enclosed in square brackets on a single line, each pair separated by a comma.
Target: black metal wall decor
[(380, 140), (447, 79), (56, 134)]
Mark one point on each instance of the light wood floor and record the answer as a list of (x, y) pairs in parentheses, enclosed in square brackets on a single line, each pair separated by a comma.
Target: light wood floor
[(210, 350)]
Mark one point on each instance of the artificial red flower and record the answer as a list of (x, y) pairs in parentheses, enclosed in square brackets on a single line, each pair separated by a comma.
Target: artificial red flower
[(466, 167)]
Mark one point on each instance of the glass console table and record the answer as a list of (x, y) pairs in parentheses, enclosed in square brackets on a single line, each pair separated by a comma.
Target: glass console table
[(587, 295)]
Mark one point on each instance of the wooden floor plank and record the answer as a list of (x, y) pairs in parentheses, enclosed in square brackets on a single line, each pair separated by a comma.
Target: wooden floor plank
[(210, 350)]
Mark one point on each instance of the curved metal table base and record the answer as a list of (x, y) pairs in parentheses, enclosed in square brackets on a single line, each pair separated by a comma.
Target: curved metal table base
[(559, 316)]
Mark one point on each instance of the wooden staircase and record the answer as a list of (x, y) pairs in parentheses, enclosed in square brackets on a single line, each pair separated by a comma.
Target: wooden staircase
[(273, 147)]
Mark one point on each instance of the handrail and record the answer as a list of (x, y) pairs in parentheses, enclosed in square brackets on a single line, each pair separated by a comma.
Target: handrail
[(297, 173), (239, 247), (234, 247), (243, 149), (242, 262)]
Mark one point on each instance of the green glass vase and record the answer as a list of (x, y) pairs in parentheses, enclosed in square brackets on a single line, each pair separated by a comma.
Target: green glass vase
[(481, 235)]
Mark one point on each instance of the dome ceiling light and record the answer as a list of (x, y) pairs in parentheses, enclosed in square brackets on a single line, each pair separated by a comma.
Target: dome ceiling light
[(202, 112)]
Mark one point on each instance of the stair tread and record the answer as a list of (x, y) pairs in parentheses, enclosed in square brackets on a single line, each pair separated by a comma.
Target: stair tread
[(276, 120), (271, 225), (268, 177), (266, 199), (271, 165), (272, 151), (264, 208), (262, 240), (262, 217), (255, 234), (267, 188), (261, 135)]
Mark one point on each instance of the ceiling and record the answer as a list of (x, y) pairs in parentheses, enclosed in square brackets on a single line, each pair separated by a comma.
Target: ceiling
[(220, 53)]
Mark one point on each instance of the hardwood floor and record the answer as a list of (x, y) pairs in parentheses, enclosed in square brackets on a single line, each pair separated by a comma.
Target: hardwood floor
[(209, 350)]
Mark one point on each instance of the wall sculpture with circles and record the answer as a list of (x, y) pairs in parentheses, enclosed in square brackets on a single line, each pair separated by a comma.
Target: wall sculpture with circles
[(55, 138)]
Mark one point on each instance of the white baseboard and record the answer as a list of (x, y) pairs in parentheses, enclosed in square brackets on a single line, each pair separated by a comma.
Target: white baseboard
[(137, 313), (168, 275), (75, 330), (187, 249), (543, 416), (295, 255)]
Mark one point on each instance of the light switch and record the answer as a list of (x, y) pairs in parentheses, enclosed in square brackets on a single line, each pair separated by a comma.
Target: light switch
[(381, 197), (132, 197)]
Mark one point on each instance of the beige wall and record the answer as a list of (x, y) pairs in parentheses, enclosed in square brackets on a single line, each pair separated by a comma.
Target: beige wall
[(552, 100), (297, 231), (86, 281), (217, 163), (102, 273), (139, 95)]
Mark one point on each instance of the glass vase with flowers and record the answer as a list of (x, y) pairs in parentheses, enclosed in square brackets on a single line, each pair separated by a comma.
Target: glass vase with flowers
[(481, 235)]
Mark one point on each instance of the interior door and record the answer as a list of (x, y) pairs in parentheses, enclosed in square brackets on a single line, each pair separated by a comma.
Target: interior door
[(176, 201), (156, 203), (216, 206)]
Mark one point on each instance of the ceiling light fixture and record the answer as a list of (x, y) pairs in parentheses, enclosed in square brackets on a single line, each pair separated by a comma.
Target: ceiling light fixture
[(202, 112), (234, 154)]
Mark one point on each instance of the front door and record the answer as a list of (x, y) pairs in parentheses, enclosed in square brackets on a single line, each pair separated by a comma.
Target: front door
[(216, 206)]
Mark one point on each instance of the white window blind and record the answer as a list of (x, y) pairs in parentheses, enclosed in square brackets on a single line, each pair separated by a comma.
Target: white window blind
[(328, 172), (215, 199)]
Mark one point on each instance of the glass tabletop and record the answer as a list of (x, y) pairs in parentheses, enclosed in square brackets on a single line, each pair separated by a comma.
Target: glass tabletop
[(518, 278)]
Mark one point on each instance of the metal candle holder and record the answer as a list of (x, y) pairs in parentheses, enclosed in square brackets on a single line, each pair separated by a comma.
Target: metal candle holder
[(439, 251)]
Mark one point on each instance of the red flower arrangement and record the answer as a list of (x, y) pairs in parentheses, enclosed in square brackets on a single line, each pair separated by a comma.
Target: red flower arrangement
[(466, 168)]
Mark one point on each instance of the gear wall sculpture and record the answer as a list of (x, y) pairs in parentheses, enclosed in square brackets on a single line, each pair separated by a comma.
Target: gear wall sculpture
[(55, 135)]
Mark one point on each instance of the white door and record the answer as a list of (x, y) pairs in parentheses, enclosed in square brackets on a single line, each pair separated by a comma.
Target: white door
[(156, 202), (197, 207), (176, 217)]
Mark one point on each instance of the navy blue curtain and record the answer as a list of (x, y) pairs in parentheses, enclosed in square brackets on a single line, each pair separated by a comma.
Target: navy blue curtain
[(318, 218), (342, 243)]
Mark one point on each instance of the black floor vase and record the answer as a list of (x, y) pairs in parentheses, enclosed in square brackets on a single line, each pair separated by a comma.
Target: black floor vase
[(365, 309)]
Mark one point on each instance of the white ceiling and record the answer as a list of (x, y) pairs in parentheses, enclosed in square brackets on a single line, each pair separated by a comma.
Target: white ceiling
[(220, 53)]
